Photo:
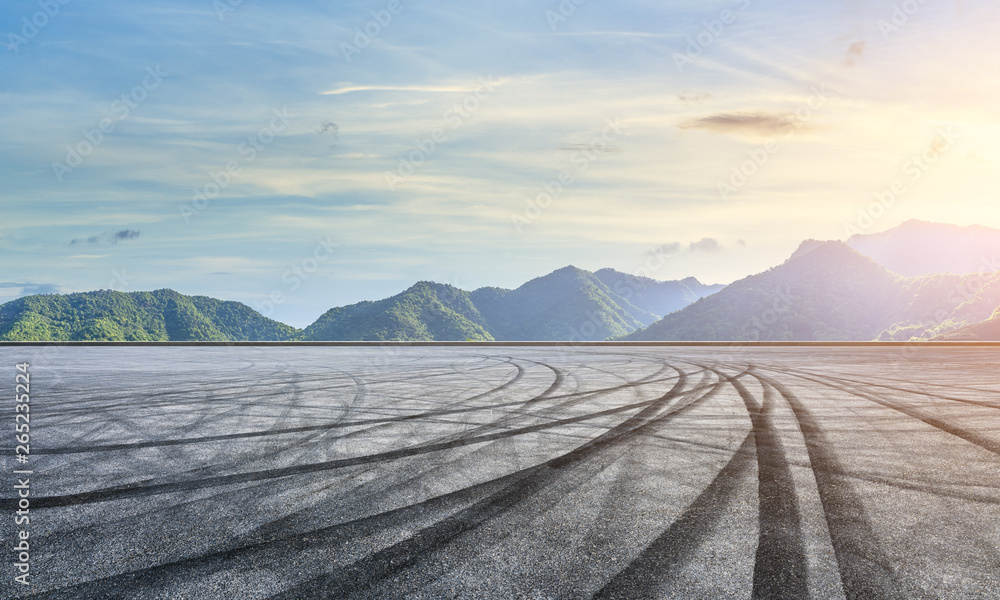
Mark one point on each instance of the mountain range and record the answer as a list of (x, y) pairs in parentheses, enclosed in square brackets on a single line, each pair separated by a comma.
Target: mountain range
[(829, 291), (921, 248), (568, 304), (917, 281)]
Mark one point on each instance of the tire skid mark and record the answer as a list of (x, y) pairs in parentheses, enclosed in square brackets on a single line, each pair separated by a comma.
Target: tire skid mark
[(177, 456), (922, 382), (904, 390), (780, 567), (575, 398), (236, 387), (986, 443), (559, 379), (276, 551), (866, 573), (281, 547), (509, 489), (337, 424), (439, 466), (486, 447), (236, 464), (139, 490), (166, 455), (442, 467), (254, 434), (671, 549), (563, 473), (449, 465), (913, 484), (263, 488), (210, 409)]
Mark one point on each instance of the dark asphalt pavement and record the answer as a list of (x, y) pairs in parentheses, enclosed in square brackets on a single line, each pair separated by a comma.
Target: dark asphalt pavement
[(509, 473)]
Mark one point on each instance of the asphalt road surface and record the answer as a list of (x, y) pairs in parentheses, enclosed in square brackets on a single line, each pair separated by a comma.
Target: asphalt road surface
[(508, 473)]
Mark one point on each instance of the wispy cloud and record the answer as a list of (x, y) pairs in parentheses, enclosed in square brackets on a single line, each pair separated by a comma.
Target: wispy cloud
[(668, 248), (24, 288), (399, 88), (452, 219), (123, 234), (710, 245), (329, 126), (691, 98), (745, 123), (111, 238), (854, 52)]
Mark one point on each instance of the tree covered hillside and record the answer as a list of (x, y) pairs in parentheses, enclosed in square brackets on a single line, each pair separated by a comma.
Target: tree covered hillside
[(162, 315), (426, 311), (567, 304), (656, 297), (827, 291), (984, 331)]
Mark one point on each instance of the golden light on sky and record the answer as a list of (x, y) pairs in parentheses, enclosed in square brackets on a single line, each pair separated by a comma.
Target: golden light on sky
[(426, 152)]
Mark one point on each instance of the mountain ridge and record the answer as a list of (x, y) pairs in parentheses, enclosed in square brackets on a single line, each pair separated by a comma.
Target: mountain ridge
[(829, 291), (825, 290), (918, 247), (568, 304), (160, 315)]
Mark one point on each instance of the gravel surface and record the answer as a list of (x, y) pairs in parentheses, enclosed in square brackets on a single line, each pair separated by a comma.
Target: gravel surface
[(509, 472)]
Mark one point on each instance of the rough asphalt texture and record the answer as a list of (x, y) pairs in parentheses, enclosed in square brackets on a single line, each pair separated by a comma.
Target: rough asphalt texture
[(510, 473)]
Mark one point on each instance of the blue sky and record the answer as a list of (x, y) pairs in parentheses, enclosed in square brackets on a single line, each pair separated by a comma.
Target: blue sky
[(644, 108)]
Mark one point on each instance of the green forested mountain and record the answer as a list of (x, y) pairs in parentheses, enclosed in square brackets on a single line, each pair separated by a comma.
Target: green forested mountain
[(825, 291), (984, 331), (828, 291), (162, 315), (657, 297), (426, 311), (567, 304), (933, 305)]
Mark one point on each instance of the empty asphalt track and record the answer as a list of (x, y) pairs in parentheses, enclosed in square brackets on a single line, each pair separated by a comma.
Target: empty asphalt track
[(508, 472)]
